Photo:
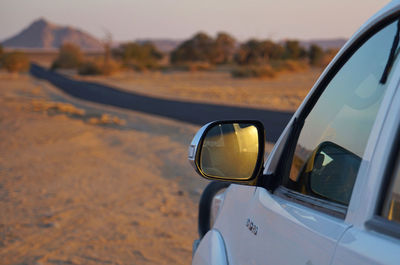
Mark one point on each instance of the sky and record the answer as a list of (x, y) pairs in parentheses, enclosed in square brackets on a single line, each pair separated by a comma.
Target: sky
[(180, 19)]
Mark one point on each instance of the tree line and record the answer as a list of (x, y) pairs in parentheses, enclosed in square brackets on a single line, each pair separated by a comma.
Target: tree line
[(224, 49), (251, 58)]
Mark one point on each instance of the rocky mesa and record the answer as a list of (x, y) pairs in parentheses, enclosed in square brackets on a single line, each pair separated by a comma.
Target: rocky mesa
[(42, 34)]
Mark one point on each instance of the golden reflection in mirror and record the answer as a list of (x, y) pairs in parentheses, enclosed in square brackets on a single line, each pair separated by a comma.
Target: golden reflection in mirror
[(230, 151)]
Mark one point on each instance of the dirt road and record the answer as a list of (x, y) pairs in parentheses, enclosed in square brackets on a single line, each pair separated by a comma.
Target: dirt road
[(191, 112)]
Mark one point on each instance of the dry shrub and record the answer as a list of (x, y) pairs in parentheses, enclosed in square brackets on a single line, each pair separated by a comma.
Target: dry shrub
[(15, 62), (69, 109), (264, 71), (69, 57), (193, 66), (99, 67), (106, 119), (59, 107), (110, 67), (292, 66), (89, 68), (142, 67), (199, 66), (138, 56)]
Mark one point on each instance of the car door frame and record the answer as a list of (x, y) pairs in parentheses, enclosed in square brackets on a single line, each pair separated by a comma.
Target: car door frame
[(277, 165), (282, 147)]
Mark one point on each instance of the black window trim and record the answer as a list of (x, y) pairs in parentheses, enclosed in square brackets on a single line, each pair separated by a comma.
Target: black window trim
[(383, 226), (285, 161)]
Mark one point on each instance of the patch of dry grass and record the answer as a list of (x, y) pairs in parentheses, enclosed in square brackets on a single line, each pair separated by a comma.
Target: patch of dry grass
[(264, 71), (59, 107), (270, 70), (51, 107), (106, 119)]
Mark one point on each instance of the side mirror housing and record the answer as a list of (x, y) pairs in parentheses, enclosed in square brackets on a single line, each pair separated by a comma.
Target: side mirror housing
[(229, 151)]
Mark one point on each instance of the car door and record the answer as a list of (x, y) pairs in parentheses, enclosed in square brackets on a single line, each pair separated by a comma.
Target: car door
[(374, 237), (303, 219), (378, 241)]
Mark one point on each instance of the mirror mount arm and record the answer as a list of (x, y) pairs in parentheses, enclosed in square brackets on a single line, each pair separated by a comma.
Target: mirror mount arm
[(268, 181)]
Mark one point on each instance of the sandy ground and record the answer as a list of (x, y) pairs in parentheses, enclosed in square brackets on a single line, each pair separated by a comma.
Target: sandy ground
[(82, 183), (285, 92), (76, 193)]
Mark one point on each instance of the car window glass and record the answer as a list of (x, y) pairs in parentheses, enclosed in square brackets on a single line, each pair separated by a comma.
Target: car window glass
[(332, 141), (391, 208)]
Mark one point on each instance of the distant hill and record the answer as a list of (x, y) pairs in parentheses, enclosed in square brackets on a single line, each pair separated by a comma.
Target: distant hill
[(163, 45), (42, 34)]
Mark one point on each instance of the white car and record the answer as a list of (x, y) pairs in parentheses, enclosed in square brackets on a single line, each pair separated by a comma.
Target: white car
[(329, 192)]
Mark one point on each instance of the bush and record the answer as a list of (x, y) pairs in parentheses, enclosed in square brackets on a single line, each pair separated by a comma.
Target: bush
[(1, 55), (202, 48), (110, 67), (15, 62), (197, 49), (259, 52), (98, 67), (316, 55), (200, 66), (270, 70), (89, 68), (223, 49), (138, 56), (142, 66), (193, 66), (294, 66), (293, 50), (264, 71), (69, 57)]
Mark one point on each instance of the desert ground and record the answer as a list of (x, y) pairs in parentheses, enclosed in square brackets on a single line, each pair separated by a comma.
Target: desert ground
[(85, 183), (285, 92)]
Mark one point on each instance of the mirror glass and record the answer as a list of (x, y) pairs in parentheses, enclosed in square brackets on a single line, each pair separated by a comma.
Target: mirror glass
[(332, 172), (230, 151)]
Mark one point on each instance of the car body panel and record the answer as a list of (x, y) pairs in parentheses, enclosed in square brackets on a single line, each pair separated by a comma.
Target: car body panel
[(283, 226), (359, 246), (231, 220), (212, 250)]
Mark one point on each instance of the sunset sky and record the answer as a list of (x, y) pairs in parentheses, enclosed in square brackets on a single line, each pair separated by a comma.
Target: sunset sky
[(179, 19)]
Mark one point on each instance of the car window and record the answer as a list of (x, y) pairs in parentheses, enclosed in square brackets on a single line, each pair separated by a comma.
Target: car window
[(333, 138), (391, 207)]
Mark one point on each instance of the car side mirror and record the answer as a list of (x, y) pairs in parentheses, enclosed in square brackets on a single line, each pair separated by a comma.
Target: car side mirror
[(333, 172), (229, 150)]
